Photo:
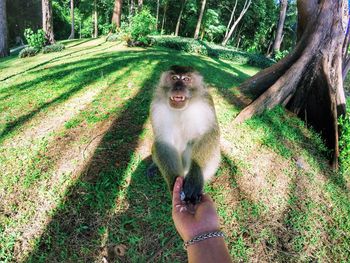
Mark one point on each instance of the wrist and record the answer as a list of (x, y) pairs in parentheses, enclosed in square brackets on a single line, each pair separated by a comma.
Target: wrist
[(197, 231), (207, 243), (203, 237)]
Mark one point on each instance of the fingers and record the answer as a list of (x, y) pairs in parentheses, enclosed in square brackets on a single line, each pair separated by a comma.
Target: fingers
[(176, 191)]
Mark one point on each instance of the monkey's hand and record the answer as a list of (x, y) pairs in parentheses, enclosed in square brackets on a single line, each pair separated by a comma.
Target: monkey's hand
[(192, 189), (192, 193)]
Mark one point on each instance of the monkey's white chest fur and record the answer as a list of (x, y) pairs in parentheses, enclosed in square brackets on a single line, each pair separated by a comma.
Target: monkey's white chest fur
[(179, 127)]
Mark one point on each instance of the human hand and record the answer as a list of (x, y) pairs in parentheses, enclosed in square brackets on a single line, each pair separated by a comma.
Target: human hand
[(193, 220)]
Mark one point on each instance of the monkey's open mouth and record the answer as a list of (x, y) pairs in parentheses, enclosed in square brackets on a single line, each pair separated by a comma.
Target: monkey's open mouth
[(178, 98), (178, 101)]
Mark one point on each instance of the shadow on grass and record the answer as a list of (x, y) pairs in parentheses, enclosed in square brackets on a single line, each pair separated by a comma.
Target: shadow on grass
[(86, 217), (306, 219), (283, 131), (52, 59), (76, 229), (85, 72)]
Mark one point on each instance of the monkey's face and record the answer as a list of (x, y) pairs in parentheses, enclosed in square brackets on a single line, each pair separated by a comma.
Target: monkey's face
[(179, 90)]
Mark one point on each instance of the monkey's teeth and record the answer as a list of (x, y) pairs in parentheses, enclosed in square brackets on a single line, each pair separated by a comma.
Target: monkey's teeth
[(177, 98)]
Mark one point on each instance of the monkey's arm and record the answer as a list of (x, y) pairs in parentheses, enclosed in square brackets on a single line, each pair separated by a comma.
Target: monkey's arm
[(205, 152), (168, 161)]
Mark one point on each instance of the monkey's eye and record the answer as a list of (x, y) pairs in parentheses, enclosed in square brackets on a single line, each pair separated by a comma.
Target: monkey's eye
[(175, 77), (185, 78)]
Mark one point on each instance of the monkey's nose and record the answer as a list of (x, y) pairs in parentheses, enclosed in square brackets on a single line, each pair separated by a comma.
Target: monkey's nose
[(179, 85)]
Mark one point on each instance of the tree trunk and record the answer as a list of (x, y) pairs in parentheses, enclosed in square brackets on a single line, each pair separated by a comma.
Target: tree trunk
[(231, 18), (346, 56), (199, 22), (4, 51), (95, 20), (47, 21), (72, 33), (117, 12), (157, 15), (233, 27), (179, 18), (140, 4), (132, 7), (278, 39), (164, 17), (309, 80)]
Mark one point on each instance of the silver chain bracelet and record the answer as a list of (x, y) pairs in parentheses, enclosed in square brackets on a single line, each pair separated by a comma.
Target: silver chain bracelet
[(203, 237)]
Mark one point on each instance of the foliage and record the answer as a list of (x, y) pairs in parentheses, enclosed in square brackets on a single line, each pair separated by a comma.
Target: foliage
[(61, 19), (113, 37), (28, 52), (212, 27), (35, 40), (344, 144), (209, 49), (281, 54), (53, 48), (258, 26), (142, 24)]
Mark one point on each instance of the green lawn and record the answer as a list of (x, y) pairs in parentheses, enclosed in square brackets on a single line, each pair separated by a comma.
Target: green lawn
[(75, 144)]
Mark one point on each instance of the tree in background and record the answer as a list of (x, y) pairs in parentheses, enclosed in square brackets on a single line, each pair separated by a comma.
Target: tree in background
[(4, 51), (278, 39), (132, 7), (72, 34), (234, 24), (117, 12), (140, 5), (95, 18), (48, 21), (165, 8), (262, 17), (308, 81), (157, 14), (179, 18), (199, 22)]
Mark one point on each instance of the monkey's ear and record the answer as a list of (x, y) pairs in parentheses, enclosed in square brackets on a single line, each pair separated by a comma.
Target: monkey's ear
[(177, 69)]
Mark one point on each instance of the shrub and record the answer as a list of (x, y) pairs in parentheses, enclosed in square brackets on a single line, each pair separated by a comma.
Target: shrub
[(35, 40), (281, 54), (121, 35), (28, 52), (142, 24), (344, 144), (191, 45), (53, 48)]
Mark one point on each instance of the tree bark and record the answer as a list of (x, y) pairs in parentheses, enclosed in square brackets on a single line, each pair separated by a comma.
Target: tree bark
[(164, 17), (157, 15), (346, 56), (4, 50), (199, 22), (234, 25), (278, 39), (309, 80), (132, 7), (231, 18), (179, 18), (47, 21), (117, 12), (95, 20), (140, 5), (72, 32)]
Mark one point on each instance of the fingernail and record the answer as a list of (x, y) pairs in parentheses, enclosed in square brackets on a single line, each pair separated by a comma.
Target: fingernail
[(177, 183)]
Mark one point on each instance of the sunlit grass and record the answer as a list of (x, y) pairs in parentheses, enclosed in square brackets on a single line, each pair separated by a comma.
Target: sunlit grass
[(78, 191)]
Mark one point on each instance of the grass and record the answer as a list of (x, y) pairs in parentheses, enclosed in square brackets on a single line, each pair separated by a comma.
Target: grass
[(75, 143)]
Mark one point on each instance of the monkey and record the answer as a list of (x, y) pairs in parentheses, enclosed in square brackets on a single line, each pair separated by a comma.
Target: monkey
[(186, 131)]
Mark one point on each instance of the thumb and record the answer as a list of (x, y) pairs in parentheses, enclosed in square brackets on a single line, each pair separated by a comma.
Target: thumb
[(176, 191)]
